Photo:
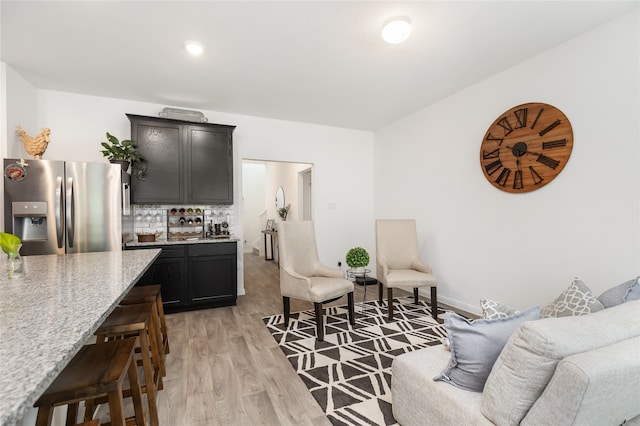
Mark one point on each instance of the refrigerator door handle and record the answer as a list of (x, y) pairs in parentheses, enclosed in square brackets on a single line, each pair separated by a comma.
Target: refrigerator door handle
[(126, 199), (59, 212), (70, 207)]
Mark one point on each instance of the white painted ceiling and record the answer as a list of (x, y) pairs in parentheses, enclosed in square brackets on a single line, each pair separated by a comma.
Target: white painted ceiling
[(312, 61)]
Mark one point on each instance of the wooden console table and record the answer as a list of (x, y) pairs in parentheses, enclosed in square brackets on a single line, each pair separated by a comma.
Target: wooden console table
[(274, 243)]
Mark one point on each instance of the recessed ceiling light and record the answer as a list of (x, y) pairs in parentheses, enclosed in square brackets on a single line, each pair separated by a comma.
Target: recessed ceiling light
[(396, 30), (194, 47)]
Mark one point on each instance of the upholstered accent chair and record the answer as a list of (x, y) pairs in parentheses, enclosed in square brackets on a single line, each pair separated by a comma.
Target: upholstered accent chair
[(398, 263), (302, 276)]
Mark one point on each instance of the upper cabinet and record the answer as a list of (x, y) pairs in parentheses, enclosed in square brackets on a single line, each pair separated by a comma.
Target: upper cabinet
[(187, 163)]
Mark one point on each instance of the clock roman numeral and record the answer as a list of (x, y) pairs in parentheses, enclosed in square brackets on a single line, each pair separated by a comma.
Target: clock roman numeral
[(506, 126), (491, 154), (535, 120), (549, 128), (490, 137), (535, 176), (549, 162), (503, 177), (521, 117), (493, 167), (554, 144), (517, 180)]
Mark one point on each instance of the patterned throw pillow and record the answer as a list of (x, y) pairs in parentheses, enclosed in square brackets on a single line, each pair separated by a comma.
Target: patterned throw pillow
[(492, 309), (576, 300)]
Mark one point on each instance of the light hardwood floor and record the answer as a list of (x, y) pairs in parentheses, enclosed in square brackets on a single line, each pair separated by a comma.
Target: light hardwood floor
[(225, 368)]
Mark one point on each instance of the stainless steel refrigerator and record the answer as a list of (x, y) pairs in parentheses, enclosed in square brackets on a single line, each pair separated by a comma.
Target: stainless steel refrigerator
[(59, 207)]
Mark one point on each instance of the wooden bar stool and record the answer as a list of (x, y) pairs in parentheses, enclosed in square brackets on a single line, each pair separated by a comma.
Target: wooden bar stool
[(151, 294), (136, 320), (96, 371)]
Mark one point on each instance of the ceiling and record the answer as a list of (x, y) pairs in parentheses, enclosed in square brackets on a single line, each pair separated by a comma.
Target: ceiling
[(319, 62)]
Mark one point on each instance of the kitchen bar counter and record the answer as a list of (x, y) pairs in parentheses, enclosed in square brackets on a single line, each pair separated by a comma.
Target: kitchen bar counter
[(165, 242), (49, 313)]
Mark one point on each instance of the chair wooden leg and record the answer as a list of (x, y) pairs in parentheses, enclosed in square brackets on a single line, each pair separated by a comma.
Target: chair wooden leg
[(415, 296), (434, 303), (116, 408), (319, 322), (380, 286), (352, 314), (390, 303), (45, 415), (286, 304), (72, 413)]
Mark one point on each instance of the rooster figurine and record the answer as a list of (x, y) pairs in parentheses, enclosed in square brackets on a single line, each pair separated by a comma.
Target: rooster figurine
[(35, 146)]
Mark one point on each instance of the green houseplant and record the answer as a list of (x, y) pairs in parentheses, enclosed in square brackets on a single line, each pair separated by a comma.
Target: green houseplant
[(124, 153), (357, 257), (10, 244)]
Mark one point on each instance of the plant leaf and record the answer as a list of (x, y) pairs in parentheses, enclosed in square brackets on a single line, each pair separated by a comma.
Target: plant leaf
[(10, 243)]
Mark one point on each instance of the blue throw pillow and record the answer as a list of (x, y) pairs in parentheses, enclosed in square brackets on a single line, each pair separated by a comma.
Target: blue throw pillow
[(619, 294), (475, 346)]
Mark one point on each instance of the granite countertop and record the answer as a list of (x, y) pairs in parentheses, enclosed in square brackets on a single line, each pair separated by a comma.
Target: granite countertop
[(165, 242), (50, 312)]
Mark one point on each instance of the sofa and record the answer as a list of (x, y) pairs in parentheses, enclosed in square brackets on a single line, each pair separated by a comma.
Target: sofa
[(572, 370)]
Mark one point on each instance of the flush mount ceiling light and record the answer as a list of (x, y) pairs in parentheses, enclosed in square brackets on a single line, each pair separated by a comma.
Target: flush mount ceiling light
[(194, 47), (396, 30)]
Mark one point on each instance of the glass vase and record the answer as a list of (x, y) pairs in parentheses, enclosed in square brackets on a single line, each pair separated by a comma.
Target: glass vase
[(15, 265)]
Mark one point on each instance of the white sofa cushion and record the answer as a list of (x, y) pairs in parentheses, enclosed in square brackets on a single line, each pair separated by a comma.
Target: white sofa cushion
[(418, 400), (598, 387), (531, 355)]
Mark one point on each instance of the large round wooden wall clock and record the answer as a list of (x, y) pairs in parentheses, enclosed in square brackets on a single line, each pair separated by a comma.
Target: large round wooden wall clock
[(526, 147)]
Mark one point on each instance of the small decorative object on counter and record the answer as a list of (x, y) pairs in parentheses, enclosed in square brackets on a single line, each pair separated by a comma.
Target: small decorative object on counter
[(11, 244), (35, 146), (148, 237)]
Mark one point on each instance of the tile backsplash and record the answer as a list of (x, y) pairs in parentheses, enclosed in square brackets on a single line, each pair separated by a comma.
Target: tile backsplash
[(152, 218)]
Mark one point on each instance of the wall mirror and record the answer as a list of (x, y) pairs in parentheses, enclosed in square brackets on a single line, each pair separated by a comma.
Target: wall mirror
[(280, 198)]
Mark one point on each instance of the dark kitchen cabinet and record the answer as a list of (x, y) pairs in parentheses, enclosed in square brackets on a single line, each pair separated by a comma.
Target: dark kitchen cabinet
[(187, 163), (212, 272), (194, 276), (168, 270)]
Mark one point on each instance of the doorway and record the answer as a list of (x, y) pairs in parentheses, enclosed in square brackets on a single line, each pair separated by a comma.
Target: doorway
[(266, 183)]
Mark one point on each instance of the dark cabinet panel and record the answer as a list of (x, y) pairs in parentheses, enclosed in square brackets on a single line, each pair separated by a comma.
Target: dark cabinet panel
[(159, 143), (168, 270), (212, 272), (169, 273), (194, 276), (211, 168), (186, 162)]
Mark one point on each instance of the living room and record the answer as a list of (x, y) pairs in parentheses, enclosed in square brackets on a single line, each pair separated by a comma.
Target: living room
[(521, 249)]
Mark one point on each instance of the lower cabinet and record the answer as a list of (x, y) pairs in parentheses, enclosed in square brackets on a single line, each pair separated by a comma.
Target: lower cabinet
[(194, 276)]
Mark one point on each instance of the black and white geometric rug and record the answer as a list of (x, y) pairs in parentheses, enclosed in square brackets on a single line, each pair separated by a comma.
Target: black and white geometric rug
[(349, 374)]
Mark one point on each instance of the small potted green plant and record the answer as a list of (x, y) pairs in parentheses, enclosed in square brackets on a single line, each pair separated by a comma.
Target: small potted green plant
[(124, 153), (284, 212), (357, 258)]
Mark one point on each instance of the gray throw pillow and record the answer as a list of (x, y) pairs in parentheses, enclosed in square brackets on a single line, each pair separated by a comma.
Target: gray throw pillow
[(492, 309), (576, 300), (619, 294), (475, 346)]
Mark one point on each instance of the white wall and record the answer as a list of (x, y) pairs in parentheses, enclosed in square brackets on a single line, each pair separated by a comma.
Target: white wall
[(253, 203), (340, 156), (21, 108), (523, 249)]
